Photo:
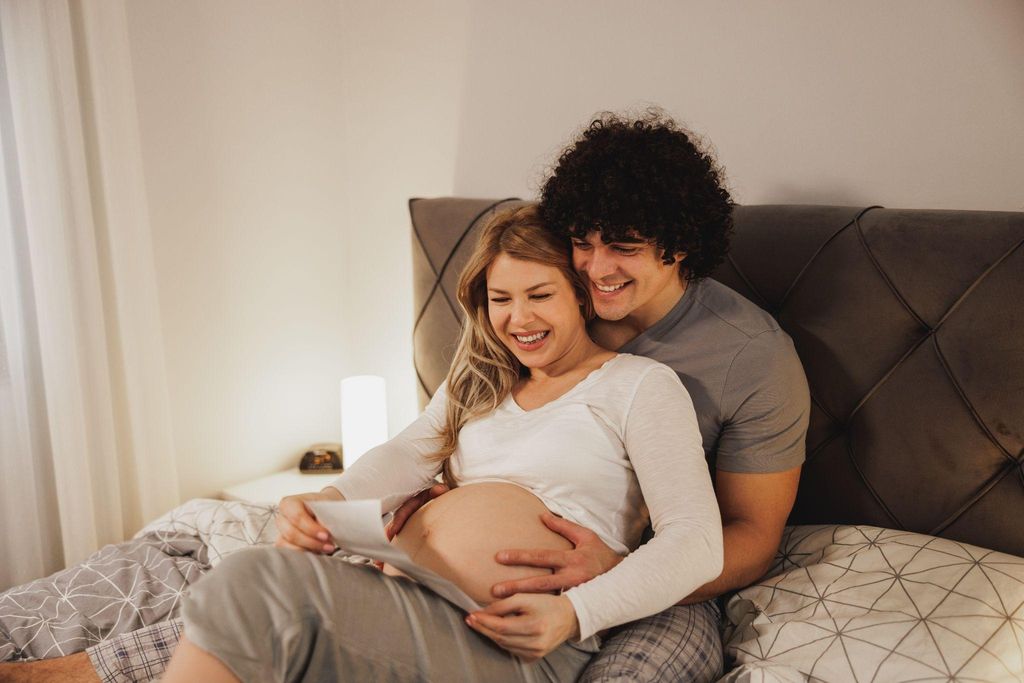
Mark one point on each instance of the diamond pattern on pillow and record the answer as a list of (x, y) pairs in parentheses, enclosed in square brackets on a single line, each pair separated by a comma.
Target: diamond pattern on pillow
[(861, 603)]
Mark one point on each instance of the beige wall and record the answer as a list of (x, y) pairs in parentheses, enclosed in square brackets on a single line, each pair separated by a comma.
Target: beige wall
[(239, 107), (913, 104), (254, 186)]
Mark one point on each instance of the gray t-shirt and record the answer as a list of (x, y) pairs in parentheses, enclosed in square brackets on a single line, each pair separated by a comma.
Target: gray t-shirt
[(743, 375)]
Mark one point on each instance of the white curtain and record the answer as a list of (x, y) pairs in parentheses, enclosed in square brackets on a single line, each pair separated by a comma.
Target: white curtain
[(86, 454)]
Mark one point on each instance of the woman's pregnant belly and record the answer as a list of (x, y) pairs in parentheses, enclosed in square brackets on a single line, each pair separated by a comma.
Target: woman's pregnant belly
[(457, 535)]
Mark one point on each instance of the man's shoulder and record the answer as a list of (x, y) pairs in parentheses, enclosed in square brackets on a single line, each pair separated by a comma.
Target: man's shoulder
[(720, 306)]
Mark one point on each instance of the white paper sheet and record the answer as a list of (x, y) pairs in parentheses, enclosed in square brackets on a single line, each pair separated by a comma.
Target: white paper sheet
[(357, 527)]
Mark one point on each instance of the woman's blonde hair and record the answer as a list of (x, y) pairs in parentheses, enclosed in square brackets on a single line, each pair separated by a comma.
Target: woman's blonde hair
[(484, 371)]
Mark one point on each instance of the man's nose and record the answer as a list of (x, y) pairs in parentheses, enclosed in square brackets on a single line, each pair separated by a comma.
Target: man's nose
[(600, 264)]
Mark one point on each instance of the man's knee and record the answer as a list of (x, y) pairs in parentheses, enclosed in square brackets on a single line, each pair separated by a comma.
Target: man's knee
[(74, 668), (680, 644), (693, 665)]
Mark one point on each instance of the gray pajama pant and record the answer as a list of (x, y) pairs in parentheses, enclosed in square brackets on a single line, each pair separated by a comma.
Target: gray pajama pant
[(682, 643), (273, 614)]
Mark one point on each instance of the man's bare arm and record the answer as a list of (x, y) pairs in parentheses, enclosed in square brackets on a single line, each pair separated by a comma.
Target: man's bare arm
[(754, 510)]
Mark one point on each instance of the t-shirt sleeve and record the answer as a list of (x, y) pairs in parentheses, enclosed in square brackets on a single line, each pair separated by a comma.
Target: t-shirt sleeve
[(399, 468), (767, 407), (663, 443)]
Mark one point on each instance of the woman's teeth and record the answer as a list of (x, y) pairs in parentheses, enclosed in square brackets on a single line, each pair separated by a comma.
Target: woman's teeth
[(530, 338), (610, 288)]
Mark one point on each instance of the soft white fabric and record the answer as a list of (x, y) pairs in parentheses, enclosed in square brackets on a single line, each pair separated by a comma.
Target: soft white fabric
[(624, 435), (85, 442), (862, 603)]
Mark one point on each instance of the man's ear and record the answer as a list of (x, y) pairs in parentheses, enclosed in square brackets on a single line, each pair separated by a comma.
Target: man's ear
[(681, 256)]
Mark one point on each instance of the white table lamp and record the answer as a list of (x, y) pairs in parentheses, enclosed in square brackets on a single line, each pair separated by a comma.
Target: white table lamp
[(364, 416)]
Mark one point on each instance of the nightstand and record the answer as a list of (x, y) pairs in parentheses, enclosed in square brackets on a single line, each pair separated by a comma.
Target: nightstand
[(272, 488)]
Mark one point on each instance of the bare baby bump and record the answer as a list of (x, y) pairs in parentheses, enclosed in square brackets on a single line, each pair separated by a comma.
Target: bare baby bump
[(458, 534)]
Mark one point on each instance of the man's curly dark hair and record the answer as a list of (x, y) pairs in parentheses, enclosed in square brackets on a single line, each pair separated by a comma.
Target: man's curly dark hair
[(647, 176)]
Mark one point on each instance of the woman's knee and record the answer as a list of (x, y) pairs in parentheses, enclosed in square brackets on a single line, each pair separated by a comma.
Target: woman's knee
[(258, 580)]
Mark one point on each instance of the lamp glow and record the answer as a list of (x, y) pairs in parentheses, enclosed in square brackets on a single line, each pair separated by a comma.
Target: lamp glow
[(364, 416)]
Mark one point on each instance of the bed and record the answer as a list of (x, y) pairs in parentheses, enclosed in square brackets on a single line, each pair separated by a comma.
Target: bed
[(903, 558)]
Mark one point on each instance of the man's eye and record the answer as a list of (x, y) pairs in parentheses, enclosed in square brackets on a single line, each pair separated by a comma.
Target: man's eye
[(626, 251), (581, 245)]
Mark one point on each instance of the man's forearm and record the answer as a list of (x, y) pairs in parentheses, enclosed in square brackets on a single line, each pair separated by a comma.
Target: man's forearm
[(746, 560)]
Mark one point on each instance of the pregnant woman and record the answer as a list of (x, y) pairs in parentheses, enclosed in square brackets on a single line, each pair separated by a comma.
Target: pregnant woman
[(533, 418)]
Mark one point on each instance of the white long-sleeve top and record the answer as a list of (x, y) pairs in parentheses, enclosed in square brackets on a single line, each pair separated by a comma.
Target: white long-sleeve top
[(624, 435)]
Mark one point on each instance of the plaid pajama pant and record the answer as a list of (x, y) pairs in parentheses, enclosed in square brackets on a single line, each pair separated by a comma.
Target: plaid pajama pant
[(683, 643), (140, 655)]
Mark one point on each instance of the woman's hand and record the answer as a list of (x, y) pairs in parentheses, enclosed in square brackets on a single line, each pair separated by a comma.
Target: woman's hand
[(527, 625), (298, 528)]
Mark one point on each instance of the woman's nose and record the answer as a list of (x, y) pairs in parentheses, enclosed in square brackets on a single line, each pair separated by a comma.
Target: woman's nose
[(522, 313)]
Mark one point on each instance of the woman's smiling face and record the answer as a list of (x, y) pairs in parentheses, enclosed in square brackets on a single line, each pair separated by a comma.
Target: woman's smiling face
[(533, 310)]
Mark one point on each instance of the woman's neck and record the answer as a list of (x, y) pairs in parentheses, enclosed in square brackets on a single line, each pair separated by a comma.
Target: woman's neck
[(577, 357)]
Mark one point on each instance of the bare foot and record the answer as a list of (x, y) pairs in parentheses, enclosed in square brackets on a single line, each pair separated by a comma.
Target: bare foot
[(76, 668)]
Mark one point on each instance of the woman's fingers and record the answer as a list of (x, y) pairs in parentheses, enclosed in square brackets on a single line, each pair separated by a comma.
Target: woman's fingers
[(294, 508), (511, 633), (290, 536)]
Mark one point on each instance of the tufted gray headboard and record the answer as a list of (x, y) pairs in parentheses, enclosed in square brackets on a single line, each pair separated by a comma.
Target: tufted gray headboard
[(910, 326)]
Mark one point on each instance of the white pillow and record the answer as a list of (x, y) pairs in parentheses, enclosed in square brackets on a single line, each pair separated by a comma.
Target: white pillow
[(860, 603)]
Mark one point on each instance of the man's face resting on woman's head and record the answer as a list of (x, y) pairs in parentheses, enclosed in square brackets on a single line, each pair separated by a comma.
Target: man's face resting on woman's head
[(533, 310)]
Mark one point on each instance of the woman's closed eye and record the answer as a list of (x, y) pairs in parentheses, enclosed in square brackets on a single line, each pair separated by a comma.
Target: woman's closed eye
[(533, 297)]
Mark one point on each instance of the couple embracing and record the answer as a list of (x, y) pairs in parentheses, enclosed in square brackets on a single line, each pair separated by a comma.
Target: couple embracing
[(603, 386)]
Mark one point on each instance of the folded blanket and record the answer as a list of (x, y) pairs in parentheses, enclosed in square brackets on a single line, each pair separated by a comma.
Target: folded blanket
[(224, 527), (127, 586), (119, 588)]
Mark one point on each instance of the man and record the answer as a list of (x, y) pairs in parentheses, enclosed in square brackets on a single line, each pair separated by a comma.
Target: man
[(649, 219)]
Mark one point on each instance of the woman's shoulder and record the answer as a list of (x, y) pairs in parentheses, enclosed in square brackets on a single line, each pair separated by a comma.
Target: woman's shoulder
[(630, 365), (624, 374)]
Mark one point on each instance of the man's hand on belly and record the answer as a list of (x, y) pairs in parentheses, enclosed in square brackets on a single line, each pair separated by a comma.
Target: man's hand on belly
[(589, 557), (406, 510)]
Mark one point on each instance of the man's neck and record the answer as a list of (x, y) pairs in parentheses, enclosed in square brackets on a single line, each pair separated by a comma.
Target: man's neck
[(613, 334)]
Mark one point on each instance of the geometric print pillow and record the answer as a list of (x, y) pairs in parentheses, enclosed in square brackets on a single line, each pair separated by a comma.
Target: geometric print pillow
[(861, 603)]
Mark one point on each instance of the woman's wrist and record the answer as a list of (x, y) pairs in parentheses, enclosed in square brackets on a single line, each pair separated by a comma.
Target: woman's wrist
[(572, 621), (331, 493)]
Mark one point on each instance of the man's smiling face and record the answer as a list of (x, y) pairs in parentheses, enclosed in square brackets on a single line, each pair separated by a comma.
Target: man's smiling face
[(627, 278)]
